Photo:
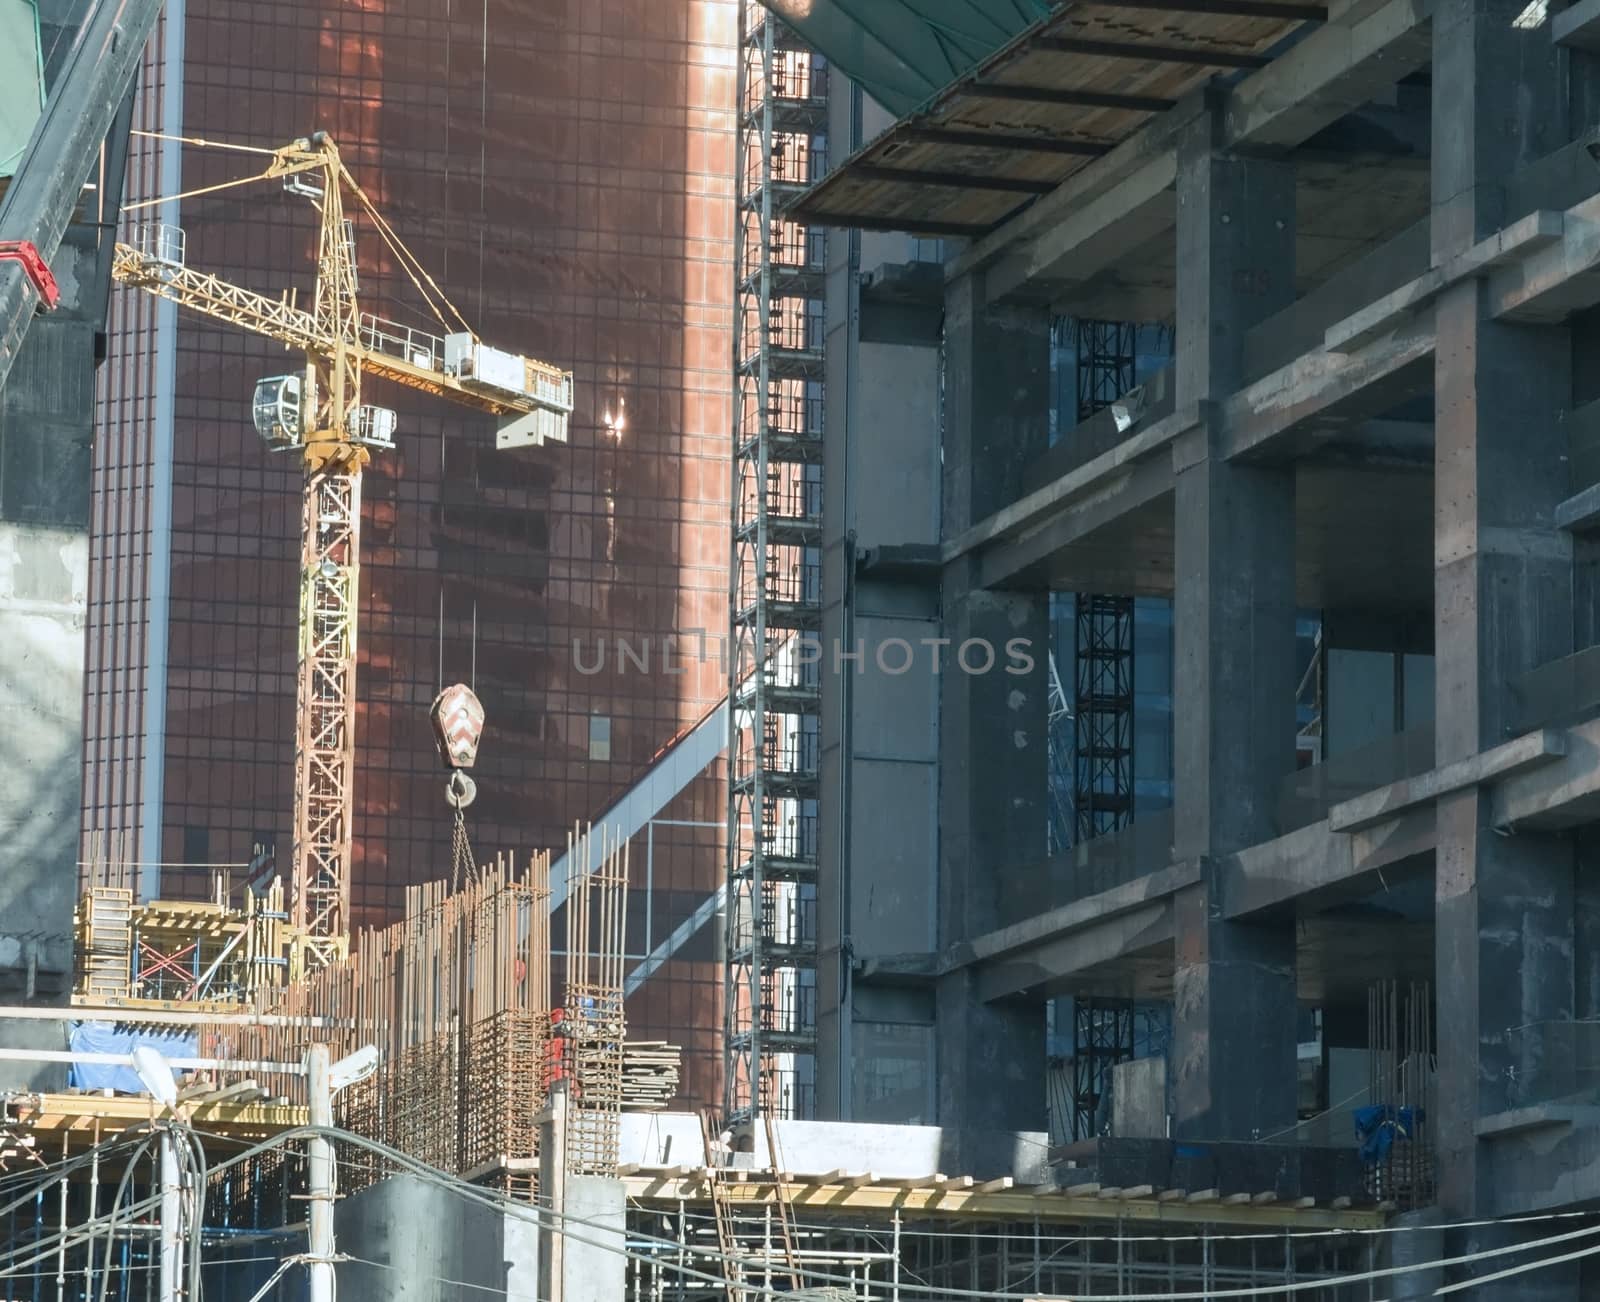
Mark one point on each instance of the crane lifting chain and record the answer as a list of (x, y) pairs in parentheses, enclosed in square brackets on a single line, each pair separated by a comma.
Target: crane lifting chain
[(462, 866)]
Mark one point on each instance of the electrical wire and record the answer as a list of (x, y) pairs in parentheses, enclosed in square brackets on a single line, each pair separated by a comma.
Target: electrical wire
[(524, 1211), (565, 1224)]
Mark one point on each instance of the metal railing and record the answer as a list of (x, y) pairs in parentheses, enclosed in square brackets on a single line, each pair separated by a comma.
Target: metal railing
[(418, 347)]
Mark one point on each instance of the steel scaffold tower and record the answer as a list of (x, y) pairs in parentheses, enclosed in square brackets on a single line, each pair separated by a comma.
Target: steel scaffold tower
[(1103, 715), (1103, 705), (776, 590), (1103, 729)]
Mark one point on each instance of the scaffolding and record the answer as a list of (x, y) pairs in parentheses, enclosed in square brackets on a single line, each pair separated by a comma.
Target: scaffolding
[(775, 595), (1107, 354), (190, 954), (1103, 732), (1103, 715), (920, 1238), (1107, 368)]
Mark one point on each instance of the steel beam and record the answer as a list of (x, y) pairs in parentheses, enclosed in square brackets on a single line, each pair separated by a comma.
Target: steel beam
[(42, 195)]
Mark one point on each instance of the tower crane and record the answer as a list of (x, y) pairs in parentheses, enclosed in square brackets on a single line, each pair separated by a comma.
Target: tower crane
[(318, 415)]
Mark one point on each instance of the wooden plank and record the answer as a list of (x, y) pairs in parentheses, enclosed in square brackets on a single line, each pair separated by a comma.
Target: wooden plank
[(918, 177), (1202, 56), (1204, 1196), (1006, 141), (1082, 1190), (1079, 98), (1137, 1191)]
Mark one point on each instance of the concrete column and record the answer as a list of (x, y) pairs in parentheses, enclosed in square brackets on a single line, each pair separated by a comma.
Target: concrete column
[(993, 704), (1234, 676), (1502, 591)]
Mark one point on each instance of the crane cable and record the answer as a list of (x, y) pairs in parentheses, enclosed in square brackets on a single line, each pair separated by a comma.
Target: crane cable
[(409, 262), (191, 194), (414, 264)]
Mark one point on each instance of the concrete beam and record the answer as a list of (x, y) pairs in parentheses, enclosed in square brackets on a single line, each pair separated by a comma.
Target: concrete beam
[(1008, 942), (1561, 794), (1541, 1168), (1334, 71), (1045, 504), (1156, 140), (1528, 235), (1313, 867), (1580, 513), (1041, 969), (1577, 26), (1326, 387), (1519, 756), (1093, 236), (1134, 487), (1557, 280)]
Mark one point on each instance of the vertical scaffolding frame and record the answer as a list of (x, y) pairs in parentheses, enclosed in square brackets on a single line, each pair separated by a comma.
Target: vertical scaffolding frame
[(1107, 367), (1107, 354), (775, 599), (1103, 715)]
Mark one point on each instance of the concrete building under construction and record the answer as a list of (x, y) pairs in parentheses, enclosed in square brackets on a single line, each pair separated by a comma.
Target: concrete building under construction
[(1162, 720)]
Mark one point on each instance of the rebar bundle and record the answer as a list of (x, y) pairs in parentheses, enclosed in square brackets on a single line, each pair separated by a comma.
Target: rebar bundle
[(456, 996), (593, 1026)]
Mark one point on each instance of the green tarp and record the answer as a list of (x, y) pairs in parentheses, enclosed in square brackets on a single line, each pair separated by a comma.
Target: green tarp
[(903, 52), (21, 79)]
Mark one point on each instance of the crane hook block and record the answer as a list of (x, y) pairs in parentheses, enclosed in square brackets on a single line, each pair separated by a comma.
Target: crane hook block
[(457, 718), (35, 268)]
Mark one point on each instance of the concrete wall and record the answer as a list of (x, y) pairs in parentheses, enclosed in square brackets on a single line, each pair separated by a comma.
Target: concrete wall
[(593, 1267), (881, 484)]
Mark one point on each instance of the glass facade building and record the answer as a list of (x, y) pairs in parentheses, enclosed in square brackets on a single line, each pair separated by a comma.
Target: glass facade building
[(564, 168)]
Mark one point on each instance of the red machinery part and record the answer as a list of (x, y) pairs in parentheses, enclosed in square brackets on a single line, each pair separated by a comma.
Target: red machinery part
[(34, 267)]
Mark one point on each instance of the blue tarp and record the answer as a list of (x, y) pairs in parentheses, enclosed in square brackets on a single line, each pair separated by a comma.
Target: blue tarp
[(105, 1037), (1378, 1126)]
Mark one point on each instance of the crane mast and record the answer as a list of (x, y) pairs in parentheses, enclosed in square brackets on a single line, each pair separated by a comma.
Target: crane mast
[(319, 413), (330, 570)]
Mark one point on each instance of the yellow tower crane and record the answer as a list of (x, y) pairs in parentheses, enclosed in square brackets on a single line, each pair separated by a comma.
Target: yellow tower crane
[(319, 415)]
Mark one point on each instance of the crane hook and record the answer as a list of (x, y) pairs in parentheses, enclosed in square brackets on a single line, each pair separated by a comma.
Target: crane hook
[(460, 791)]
